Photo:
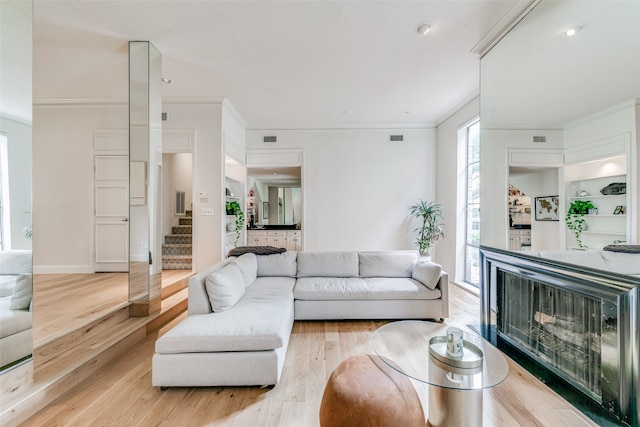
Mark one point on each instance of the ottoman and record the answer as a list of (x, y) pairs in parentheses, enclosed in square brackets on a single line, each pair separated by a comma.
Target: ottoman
[(364, 391)]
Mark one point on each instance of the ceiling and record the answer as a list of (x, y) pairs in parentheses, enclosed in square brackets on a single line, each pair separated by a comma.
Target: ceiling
[(282, 64)]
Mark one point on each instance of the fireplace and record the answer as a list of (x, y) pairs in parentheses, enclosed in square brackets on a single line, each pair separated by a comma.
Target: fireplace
[(577, 323)]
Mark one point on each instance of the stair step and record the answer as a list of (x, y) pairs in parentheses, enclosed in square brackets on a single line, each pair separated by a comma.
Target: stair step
[(177, 264), (178, 239), (172, 307), (185, 220), (176, 249), (181, 229)]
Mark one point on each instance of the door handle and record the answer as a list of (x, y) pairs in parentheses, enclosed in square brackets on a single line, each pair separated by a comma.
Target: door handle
[(125, 219)]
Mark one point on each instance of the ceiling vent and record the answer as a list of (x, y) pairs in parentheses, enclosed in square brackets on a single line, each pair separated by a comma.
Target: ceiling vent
[(164, 117), (270, 139), (539, 139), (396, 138)]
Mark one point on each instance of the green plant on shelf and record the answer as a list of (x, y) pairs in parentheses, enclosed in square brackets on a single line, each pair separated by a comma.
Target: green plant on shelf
[(575, 219), (233, 208)]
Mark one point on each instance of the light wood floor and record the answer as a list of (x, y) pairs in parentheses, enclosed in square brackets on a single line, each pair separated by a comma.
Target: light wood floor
[(63, 302), (122, 394)]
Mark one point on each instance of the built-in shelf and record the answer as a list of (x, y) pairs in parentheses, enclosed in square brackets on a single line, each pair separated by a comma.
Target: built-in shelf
[(605, 227)]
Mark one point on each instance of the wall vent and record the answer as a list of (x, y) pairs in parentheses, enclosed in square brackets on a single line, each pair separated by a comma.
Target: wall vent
[(539, 139), (270, 139), (180, 203), (164, 117), (396, 138)]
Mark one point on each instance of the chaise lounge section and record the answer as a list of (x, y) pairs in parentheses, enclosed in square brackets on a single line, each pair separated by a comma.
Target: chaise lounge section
[(241, 310)]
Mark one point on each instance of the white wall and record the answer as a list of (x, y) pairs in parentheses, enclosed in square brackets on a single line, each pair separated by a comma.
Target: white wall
[(177, 175), (449, 252), (19, 160), (63, 182), (357, 186), (544, 234), (205, 119), (494, 166)]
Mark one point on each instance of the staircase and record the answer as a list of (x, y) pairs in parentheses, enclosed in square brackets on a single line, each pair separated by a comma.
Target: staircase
[(177, 246)]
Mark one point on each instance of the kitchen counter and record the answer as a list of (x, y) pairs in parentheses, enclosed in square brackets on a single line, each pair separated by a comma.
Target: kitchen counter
[(275, 227)]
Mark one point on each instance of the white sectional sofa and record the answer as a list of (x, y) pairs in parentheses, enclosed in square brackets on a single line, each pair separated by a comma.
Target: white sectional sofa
[(16, 290), (241, 311)]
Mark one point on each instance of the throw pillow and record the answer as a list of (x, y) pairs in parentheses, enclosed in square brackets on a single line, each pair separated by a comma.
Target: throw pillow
[(427, 273), (22, 293), (224, 287)]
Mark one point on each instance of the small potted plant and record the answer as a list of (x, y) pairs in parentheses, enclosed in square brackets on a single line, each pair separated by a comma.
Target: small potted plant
[(430, 213), (575, 218), (233, 208)]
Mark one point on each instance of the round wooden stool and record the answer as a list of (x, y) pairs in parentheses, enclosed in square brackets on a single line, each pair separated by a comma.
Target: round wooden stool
[(364, 391)]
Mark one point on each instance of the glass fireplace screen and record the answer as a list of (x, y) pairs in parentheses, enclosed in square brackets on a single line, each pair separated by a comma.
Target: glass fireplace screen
[(560, 328)]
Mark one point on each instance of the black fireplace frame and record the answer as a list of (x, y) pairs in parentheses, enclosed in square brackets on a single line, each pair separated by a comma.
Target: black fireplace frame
[(620, 357)]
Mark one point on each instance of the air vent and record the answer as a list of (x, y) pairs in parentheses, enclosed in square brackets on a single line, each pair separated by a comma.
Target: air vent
[(539, 139), (396, 138), (164, 117), (270, 139)]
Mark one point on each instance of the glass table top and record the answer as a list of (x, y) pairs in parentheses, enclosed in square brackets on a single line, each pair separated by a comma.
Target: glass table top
[(417, 349)]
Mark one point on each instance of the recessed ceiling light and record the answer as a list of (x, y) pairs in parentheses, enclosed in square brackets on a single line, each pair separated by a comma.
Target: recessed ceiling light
[(165, 80), (274, 173), (572, 31), (423, 29)]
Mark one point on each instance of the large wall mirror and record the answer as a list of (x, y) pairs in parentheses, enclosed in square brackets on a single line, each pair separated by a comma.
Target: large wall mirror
[(559, 108), (16, 332), (276, 194)]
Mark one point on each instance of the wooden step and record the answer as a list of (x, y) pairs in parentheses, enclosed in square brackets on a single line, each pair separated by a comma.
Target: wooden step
[(64, 361)]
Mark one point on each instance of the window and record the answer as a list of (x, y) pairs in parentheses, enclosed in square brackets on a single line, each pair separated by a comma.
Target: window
[(471, 135), (5, 233)]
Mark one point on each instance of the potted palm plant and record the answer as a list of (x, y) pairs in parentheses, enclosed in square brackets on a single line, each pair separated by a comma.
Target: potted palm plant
[(430, 231), (233, 208), (575, 219)]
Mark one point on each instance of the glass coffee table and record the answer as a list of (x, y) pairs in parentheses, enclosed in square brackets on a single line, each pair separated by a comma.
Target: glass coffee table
[(417, 349)]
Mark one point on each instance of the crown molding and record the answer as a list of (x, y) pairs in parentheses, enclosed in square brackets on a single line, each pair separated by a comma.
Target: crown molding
[(520, 9)]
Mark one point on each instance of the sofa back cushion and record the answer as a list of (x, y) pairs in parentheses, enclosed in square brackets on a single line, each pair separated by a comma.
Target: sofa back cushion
[(387, 264), (248, 265), (328, 264), (15, 261), (225, 287), (277, 265)]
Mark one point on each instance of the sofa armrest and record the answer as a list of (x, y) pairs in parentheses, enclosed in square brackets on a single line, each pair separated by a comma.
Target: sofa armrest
[(443, 285)]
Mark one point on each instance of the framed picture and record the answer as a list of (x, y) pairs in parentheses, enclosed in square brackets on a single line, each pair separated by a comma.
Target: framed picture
[(619, 210), (547, 209), (265, 210)]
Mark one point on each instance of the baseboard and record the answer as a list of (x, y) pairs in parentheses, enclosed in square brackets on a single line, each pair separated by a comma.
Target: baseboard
[(62, 269)]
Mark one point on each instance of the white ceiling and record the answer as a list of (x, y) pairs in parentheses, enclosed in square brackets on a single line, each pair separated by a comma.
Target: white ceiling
[(282, 64)]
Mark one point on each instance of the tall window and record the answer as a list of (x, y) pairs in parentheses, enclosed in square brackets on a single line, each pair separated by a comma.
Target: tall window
[(472, 205), (5, 234)]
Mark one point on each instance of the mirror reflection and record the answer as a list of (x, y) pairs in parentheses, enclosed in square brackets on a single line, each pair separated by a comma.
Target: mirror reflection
[(275, 197), (16, 288), (560, 110)]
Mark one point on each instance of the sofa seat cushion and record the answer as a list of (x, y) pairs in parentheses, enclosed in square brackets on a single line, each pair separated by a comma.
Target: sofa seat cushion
[(13, 321), (260, 320), (354, 288), (328, 264), (387, 264)]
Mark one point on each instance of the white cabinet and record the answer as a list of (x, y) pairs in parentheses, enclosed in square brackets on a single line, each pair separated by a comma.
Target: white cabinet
[(608, 223), (288, 239), (277, 239), (294, 240), (519, 239), (257, 238)]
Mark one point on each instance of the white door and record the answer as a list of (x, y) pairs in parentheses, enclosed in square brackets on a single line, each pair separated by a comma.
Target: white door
[(111, 210)]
